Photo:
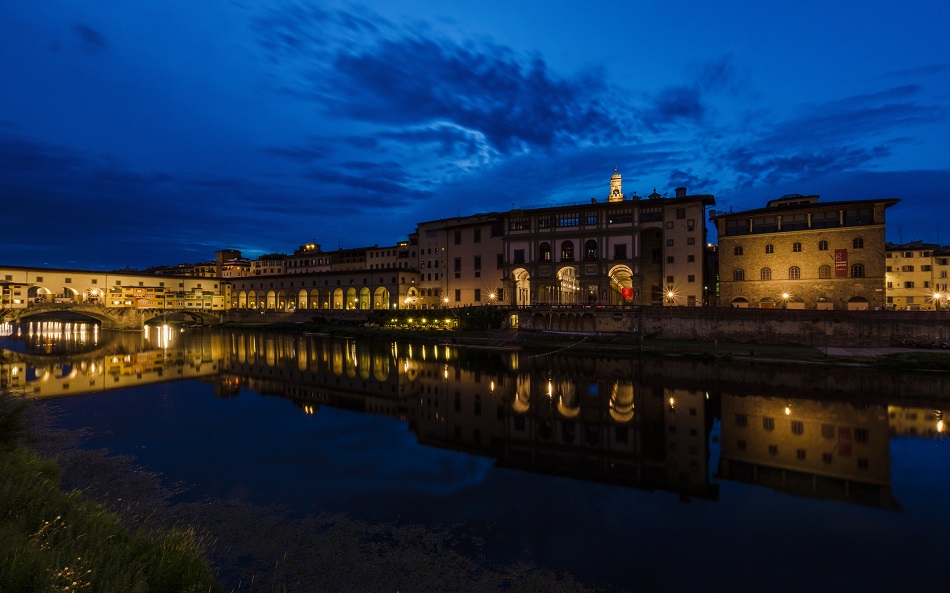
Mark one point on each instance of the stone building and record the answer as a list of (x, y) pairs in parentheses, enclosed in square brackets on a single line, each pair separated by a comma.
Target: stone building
[(460, 260), (800, 253), (622, 250)]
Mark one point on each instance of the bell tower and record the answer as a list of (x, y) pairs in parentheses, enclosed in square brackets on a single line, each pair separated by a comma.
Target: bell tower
[(616, 191)]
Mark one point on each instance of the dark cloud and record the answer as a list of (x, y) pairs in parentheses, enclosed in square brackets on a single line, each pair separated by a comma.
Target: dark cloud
[(90, 40), (410, 79), (756, 167)]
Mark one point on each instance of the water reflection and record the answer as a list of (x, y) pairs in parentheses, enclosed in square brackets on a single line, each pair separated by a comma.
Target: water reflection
[(674, 425)]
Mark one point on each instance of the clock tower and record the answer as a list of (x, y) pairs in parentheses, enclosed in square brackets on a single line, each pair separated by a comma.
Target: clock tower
[(616, 192)]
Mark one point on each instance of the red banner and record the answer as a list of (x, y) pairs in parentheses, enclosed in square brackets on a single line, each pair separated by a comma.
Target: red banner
[(841, 263), (844, 442), (626, 293)]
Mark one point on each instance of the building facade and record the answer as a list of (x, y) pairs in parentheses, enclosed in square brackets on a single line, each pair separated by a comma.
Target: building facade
[(917, 276), (622, 250), (800, 253)]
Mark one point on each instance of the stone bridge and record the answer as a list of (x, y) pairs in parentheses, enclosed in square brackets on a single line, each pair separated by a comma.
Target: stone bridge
[(109, 317)]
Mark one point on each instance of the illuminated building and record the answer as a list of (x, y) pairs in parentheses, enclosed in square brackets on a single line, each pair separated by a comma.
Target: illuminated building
[(917, 276), (799, 253)]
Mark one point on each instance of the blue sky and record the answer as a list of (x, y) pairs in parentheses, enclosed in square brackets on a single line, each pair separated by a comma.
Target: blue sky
[(139, 133)]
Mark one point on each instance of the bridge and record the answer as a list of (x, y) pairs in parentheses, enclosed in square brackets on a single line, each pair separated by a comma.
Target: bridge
[(109, 317)]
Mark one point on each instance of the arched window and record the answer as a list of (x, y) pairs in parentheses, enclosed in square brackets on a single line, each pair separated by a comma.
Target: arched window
[(857, 243), (765, 274), (590, 250), (770, 248), (794, 273), (824, 272), (567, 251), (737, 250), (857, 271), (544, 251), (822, 245), (738, 275), (796, 247)]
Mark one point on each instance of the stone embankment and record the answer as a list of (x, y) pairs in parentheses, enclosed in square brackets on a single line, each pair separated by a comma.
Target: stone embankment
[(820, 329)]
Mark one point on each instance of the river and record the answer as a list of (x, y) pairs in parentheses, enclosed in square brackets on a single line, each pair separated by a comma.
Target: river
[(624, 473)]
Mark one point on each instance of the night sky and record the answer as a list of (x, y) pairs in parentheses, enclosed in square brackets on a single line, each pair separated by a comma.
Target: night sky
[(140, 133)]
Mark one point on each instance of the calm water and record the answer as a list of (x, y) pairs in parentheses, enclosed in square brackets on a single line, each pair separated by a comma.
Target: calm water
[(643, 473)]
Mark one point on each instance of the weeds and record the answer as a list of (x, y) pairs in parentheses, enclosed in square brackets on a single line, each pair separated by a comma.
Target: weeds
[(56, 541)]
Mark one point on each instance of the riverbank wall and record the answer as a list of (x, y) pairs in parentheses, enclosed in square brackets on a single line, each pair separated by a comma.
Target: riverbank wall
[(752, 326)]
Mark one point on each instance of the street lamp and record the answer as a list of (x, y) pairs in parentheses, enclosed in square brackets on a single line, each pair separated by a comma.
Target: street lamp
[(936, 298), (785, 297)]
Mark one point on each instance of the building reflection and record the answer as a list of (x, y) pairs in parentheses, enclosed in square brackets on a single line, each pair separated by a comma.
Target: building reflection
[(658, 425), (834, 449)]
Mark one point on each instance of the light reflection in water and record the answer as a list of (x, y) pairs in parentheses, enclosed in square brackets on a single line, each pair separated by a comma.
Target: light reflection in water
[(606, 419)]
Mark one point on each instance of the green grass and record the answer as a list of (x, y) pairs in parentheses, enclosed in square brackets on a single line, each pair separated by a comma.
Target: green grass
[(56, 541), (914, 361)]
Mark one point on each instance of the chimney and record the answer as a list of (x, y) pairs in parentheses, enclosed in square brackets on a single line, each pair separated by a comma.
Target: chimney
[(680, 192)]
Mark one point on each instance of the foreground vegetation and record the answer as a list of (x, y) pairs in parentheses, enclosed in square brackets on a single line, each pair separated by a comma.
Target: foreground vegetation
[(56, 541)]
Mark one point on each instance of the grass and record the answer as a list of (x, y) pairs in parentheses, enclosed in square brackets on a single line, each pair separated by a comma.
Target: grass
[(914, 361), (56, 541)]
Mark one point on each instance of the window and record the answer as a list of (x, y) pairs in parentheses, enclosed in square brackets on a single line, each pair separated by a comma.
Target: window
[(826, 457), (861, 435), (690, 258), (765, 274), (458, 294), (926, 268), (907, 268), (70, 280), (737, 227), (690, 240), (796, 247), (764, 224), (590, 250), (794, 273), (567, 251), (737, 250), (624, 215), (828, 431), (680, 213), (857, 243), (794, 222), (590, 219), (798, 427), (862, 463), (740, 444), (822, 245), (620, 252), (544, 252), (773, 449), (520, 223), (768, 423), (857, 271), (544, 221), (670, 259), (458, 237), (800, 454), (691, 278), (909, 284), (738, 275), (742, 420), (568, 220), (858, 216), (478, 235), (478, 295), (669, 279), (824, 271), (824, 220), (39, 279), (770, 248)]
